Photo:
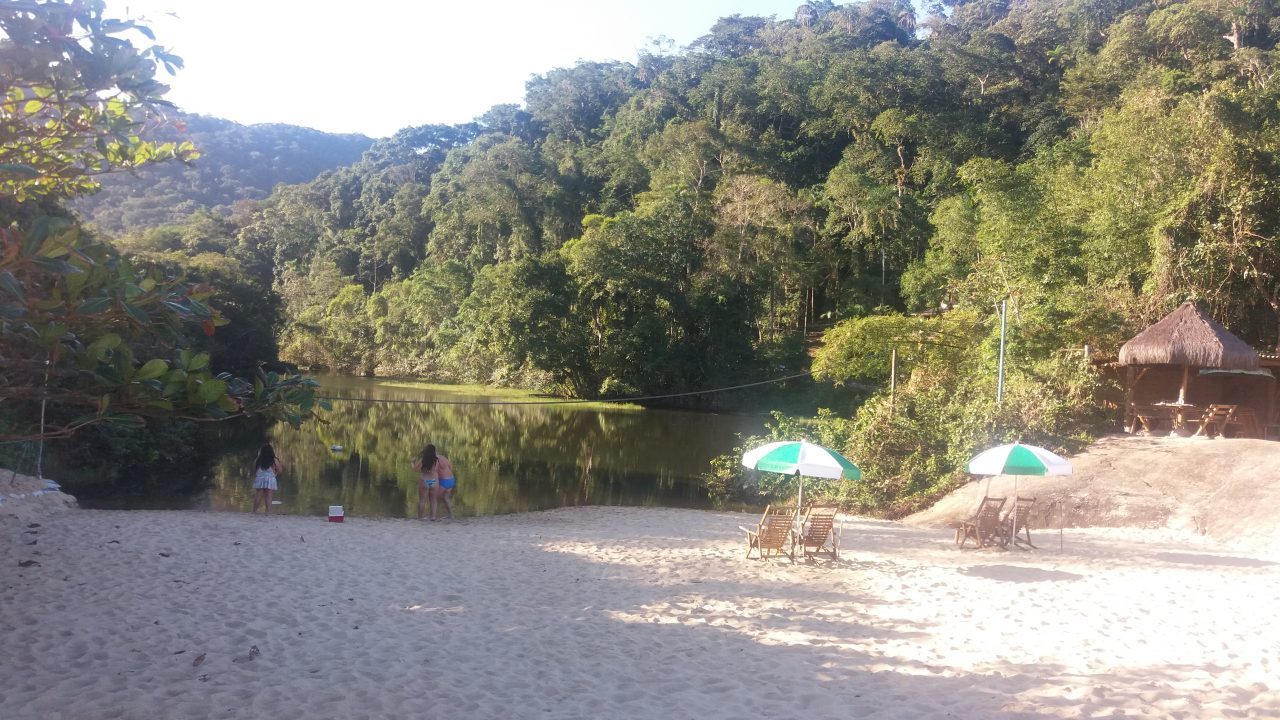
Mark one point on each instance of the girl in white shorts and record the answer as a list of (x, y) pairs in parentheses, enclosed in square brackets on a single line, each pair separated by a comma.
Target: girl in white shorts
[(266, 467)]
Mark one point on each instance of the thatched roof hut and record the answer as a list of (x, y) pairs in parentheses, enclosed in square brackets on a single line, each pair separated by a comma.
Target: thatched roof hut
[(1189, 337)]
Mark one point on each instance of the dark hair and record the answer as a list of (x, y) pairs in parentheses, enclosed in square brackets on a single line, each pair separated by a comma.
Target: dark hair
[(266, 458), (428, 457)]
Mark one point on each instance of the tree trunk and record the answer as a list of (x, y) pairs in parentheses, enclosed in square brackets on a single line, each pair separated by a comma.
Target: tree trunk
[(771, 312), (1234, 35)]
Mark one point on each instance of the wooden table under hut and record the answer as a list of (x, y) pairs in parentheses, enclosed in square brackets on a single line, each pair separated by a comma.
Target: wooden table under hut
[(1187, 375)]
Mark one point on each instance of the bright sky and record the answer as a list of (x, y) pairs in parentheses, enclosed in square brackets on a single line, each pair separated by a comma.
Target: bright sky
[(375, 66)]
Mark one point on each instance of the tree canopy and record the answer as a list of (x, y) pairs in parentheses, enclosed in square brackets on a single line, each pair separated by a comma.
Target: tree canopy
[(99, 338), (699, 217), (808, 169)]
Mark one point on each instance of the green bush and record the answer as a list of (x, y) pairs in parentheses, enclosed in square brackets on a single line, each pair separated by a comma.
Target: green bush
[(912, 444)]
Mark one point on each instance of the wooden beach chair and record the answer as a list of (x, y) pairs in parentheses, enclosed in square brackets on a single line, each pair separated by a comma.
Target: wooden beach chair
[(818, 532), (773, 534), (1018, 520), (984, 526), (1216, 419)]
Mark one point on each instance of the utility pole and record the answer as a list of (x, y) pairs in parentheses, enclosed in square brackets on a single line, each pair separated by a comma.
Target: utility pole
[(893, 378), (43, 401), (883, 282), (1004, 312)]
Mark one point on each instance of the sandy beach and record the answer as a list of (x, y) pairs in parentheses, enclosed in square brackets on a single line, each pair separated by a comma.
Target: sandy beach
[(618, 612)]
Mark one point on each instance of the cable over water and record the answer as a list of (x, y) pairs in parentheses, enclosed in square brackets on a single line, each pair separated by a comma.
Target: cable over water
[(566, 402)]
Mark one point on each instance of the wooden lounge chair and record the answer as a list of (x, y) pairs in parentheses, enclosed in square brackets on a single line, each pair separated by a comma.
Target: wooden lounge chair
[(773, 534), (818, 532), (1018, 520), (1216, 419), (983, 527)]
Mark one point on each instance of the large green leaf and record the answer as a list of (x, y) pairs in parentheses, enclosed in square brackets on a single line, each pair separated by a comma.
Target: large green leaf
[(110, 341), (94, 306), (153, 369), (10, 284), (136, 313), (55, 265), (211, 390), (19, 169), (54, 246)]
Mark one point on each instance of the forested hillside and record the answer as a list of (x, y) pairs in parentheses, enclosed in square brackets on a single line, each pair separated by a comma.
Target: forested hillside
[(683, 221), (236, 163)]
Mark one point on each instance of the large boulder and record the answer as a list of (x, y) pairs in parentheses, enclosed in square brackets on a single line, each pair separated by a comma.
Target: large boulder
[(1224, 488), (25, 497)]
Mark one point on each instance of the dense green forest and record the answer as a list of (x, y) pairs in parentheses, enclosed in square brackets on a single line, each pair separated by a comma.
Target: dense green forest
[(681, 221), (238, 163), (883, 177), (686, 220)]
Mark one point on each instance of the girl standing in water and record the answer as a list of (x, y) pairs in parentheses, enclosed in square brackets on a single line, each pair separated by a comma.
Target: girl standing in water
[(444, 471), (426, 466), (266, 467), (437, 481)]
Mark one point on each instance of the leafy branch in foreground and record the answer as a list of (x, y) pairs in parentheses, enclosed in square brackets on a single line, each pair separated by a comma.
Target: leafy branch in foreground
[(82, 327), (79, 325), (74, 96)]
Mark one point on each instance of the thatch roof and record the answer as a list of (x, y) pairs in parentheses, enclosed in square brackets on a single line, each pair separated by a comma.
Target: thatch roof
[(1187, 336)]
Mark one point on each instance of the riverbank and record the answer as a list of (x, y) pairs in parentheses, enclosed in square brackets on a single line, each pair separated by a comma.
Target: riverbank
[(625, 612)]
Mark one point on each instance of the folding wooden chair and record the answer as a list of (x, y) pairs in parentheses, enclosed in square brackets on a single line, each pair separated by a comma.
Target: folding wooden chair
[(1018, 520), (984, 526), (818, 532), (773, 534)]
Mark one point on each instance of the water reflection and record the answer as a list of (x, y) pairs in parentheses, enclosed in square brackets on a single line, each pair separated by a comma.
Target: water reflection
[(508, 458)]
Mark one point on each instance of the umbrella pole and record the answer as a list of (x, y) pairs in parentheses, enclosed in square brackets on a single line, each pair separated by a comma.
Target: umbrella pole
[(1013, 529), (799, 521)]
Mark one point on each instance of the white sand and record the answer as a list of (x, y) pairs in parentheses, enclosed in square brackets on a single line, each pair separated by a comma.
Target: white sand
[(618, 613)]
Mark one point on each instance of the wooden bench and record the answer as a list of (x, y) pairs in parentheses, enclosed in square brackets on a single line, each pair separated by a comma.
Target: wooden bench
[(1151, 418)]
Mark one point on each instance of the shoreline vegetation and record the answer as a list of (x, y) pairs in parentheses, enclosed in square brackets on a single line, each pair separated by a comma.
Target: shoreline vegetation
[(516, 394), (870, 191)]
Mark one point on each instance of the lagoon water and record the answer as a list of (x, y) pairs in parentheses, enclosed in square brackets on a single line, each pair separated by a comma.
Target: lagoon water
[(508, 457)]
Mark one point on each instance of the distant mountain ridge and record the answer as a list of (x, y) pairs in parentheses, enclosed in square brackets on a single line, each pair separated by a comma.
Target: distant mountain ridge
[(238, 162)]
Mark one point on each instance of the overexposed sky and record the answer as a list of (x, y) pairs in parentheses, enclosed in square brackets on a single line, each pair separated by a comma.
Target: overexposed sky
[(375, 66)]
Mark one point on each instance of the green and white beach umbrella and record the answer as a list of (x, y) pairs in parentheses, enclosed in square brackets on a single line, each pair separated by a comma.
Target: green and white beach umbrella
[(801, 458), (792, 457), (1018, 459)]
